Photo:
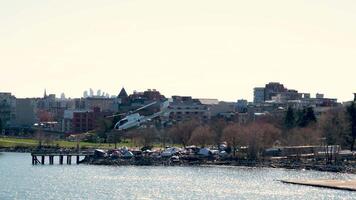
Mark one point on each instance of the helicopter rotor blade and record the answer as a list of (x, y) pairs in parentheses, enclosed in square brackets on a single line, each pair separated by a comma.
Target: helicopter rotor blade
[(120, 114), (143, 107)]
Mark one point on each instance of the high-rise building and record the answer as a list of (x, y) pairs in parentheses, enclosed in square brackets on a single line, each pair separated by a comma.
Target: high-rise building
[(85, 94), (7, 109), (91, 92), (272, 89), (258, 95)]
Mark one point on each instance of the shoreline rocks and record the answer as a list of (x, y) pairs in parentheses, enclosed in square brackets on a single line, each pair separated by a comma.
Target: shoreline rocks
[(196, 160)]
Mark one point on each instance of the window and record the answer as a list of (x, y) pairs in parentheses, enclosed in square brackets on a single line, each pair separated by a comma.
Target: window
[(122, 122)]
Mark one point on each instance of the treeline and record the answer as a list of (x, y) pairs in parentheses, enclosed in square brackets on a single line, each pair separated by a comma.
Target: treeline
[(336, 126)]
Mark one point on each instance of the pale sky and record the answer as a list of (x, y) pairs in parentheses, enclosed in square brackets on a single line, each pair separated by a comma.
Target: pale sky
[(208, 49)]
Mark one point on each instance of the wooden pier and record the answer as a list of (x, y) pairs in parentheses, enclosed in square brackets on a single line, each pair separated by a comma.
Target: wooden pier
[(40, 157)]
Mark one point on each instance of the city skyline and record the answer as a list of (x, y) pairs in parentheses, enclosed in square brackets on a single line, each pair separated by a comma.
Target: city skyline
[(196, 48)]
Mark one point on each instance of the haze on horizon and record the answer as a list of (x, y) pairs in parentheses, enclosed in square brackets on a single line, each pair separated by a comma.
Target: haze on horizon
[(203, 48)]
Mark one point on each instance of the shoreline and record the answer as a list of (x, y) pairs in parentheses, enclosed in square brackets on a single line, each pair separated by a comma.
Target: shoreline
[(201, 161), (194, 160)]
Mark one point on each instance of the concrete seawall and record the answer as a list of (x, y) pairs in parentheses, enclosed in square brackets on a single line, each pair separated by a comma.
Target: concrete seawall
[(349, 185)]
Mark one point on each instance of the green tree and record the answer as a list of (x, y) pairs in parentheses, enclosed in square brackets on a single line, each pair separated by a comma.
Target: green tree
[(104, 127), (351, 111), (306, 117), (289, 119)]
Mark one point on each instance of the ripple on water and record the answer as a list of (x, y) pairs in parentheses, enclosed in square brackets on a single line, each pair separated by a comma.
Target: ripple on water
[(24, 181)]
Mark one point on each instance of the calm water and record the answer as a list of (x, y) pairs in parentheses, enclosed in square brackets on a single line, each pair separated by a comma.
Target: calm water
[(21, 180)]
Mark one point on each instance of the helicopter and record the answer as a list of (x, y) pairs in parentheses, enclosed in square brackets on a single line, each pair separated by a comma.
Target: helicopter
[(133, 119)]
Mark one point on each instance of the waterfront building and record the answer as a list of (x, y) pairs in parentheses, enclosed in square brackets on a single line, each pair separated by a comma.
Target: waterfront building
[(7, 109), (78, 121), (84, 120), (183, 108), (26, 112)]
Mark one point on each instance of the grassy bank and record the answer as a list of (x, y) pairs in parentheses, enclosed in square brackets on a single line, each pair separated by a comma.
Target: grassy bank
[(10, 142)]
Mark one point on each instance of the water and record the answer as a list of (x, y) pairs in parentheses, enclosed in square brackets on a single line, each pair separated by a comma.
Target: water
[(21, 180)]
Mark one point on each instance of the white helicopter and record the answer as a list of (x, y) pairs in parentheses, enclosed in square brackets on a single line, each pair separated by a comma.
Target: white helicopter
[(134, 119)]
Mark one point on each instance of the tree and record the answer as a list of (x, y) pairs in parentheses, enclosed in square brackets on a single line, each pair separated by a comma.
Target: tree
[(289, 120), (351, 111), (202, 135), (114, 137), (270, 134), (334, 127), (260, 137), (182, 132), (217, 126), (145, 137), (235, 136), (104, 127), (306, 117), (303, 136)]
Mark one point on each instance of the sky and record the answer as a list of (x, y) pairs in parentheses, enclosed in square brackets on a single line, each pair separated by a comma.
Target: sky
[(203, 48)]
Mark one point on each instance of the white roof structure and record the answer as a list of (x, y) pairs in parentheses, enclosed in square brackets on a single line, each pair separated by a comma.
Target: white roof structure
[(209, 101)]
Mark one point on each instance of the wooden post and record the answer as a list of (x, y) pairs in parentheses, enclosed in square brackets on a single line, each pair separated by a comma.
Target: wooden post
[(33, 160), (69, 159), (61, 159), (42, 160), (51, 160), (77, 159)]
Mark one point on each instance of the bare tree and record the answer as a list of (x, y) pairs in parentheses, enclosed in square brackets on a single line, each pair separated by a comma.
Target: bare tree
[(303, 136), (202, 135), (335, 127), (182, 132), (235, 136), (145, 137), (260, 136), (217, 126), (114, 137)]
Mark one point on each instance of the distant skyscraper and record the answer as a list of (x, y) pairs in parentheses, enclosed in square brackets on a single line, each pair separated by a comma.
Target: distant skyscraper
[(91, 92), (98, 93), (85, 94), (63, 96)]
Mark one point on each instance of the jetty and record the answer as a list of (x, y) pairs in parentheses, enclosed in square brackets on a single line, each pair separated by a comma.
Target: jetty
[(40, 157), (349, 185)]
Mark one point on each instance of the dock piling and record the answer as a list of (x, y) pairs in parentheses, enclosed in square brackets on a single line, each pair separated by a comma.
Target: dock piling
[(69, 159), (61, 155), (51, 160), (61, 159)]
